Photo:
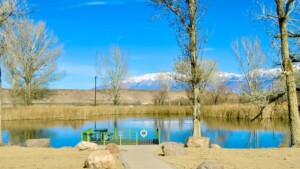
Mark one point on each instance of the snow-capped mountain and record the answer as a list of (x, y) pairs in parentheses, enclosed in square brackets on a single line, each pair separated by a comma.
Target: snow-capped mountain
[(233, 80)]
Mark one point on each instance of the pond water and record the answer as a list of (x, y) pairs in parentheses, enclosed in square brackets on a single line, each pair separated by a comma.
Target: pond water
[(228, 134)]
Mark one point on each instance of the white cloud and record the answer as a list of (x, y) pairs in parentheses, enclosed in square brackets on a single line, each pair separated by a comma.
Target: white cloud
[(209, 49), (95, 3)]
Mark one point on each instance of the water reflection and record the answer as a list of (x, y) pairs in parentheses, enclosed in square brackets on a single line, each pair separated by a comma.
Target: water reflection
[(245, 134), (228, 134), (19, 136)]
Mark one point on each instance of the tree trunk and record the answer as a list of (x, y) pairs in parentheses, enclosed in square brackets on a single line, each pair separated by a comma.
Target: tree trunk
[(193, 59), (28, 97), (289, 74)]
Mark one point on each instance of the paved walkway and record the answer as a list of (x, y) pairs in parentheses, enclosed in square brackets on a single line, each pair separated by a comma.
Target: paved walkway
[(142, 157)]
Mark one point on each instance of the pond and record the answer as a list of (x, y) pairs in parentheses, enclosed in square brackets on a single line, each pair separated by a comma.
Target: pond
[(228, 134)]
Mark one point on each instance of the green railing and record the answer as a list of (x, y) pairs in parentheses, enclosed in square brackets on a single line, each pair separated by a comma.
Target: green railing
[(87, 135), (121, 137), (124, 137)]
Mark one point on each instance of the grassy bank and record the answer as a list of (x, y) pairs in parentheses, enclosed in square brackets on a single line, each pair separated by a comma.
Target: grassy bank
[(243, 111), (87, 112), (224, 111)]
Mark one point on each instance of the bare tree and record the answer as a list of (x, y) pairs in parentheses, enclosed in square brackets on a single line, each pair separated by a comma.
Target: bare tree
[(29, 59), (113, 69), (164, 87), (185, 16), (9, 10), (284, 23), (219, 90), (251, 60)]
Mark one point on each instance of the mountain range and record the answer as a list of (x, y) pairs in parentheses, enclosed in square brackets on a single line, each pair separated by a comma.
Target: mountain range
[(231, 80)]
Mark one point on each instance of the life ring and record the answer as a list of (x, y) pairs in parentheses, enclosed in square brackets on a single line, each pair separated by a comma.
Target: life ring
[(143, 133)]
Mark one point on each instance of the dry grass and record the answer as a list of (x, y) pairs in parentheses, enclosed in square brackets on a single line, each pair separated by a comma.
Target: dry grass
[(86, 112), (242, 111), (67, 112)]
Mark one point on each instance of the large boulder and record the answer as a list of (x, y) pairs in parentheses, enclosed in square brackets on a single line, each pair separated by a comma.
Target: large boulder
[(215, 146), (173, 149), (210, 165), (112, 148), (199, 142), (83, 145), (101, 159), (38, 143)]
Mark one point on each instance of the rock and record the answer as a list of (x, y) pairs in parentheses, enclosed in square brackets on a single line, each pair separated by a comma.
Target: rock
[(210, 165), (173, 149), (83, 145), (199, 142), (214, 146), (112, 148), (101, 159), (39, 143), (180, 144)]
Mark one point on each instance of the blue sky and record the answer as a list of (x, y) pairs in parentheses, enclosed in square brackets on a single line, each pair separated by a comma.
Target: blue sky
[(86, 27)]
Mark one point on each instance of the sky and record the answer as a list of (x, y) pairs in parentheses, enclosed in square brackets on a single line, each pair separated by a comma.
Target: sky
[(88, 27)]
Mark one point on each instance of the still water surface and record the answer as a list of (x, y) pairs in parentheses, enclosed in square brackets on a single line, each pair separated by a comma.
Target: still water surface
[(228, 134)]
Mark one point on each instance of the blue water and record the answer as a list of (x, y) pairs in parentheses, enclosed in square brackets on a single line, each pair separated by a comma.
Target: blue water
[(175, 129)]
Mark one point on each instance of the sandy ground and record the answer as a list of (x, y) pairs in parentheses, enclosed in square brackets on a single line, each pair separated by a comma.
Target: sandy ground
[(239, 159), (71, 158), (44, 158)]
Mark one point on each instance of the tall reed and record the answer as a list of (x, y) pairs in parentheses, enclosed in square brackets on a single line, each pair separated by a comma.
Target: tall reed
[(243, 111), (86, 112), (67, 112)]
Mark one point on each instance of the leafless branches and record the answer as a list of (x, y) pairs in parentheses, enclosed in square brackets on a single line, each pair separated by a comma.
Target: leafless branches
[(113, 69), (251, 61), (164, 87), (205, 72), (29, 58)]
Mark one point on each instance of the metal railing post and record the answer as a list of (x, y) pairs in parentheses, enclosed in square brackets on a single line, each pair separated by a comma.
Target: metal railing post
[(158, 135), (136, 138)]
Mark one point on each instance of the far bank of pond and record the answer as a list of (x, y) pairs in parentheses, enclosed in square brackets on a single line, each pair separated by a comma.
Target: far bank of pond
[(224, 111), (227, 133)]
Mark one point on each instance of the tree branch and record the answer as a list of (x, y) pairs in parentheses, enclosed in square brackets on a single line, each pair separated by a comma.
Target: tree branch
[(176, 12), (290, 36), (287, 7)]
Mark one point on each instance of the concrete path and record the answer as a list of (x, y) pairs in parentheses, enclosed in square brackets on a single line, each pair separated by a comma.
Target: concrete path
[(142, 157)]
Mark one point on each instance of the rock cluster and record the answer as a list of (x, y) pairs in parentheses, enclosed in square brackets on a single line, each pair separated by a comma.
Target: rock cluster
[(100, 159), (83, 145), (210, 165), (112, 148), (173, 149), (198, 142), (38, 143)]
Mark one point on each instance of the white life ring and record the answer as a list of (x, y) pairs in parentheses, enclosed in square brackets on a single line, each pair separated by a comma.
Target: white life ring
[(143, 133)]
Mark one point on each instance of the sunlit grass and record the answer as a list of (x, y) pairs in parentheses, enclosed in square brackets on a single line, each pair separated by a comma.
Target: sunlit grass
[(242, 111), (67, 112), (86, 112)]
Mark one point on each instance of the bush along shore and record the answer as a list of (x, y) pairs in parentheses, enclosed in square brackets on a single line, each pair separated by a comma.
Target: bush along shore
[(67, 112)]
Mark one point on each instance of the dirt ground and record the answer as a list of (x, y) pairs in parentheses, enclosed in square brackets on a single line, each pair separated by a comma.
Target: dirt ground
[(44, 158), (239, 159), (71, 158)]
